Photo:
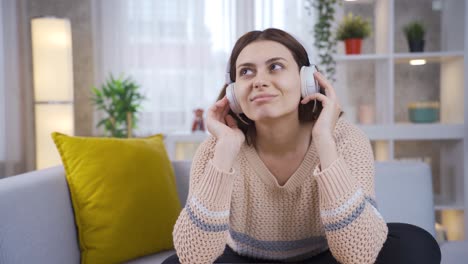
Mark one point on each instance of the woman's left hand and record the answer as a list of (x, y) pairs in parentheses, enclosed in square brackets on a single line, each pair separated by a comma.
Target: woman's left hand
[(326, 122)]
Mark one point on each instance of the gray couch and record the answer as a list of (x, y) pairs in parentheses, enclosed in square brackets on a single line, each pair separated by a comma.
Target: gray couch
[(37, 223)]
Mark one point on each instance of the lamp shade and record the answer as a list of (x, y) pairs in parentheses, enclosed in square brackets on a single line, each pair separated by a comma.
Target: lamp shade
[(53, 85)]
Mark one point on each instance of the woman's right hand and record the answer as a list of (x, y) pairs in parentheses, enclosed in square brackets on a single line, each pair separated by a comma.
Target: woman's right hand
[(222, 125)]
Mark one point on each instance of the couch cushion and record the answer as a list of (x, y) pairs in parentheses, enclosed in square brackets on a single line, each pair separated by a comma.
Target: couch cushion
[(123, 193), (153, 259), (182, 172)]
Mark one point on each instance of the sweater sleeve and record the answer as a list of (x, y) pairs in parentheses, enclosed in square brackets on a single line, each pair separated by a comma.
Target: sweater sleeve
[(354, 228), (200, 233)]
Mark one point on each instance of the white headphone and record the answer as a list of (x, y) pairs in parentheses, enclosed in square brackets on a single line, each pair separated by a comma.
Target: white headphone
[(309, 85)]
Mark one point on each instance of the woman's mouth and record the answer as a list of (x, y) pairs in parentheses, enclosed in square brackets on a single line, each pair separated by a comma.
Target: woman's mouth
[(265, 98)]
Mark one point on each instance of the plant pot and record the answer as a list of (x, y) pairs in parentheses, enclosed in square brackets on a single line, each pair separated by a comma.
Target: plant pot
[(353, 46), (129, 124), (416, 45)]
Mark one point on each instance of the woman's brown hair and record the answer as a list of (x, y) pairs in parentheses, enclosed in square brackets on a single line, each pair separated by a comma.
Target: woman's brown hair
[(300, 56)]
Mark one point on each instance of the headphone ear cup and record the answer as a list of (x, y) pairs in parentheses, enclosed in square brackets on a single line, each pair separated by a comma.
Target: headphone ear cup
[(231, 96), (309, 85)]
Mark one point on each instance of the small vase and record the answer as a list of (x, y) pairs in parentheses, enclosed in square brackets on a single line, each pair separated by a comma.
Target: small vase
[(353, 46), (366, 114), (416, 45)]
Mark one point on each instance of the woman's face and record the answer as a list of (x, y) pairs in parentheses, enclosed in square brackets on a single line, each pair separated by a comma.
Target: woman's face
[(267, 81)]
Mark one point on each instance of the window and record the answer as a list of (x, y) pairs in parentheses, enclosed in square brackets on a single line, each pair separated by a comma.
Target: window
[(177, 50)]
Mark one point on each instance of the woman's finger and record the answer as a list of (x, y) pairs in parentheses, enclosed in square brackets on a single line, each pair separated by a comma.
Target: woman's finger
[(220, 102), (317, 96), (215, 111), (212, 110), (323, 99), (226, 109), (323, 82), (230, 121)]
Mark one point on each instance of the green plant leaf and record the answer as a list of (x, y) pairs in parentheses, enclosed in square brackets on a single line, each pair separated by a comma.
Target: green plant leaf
[(353, 27), (414, 31), (116, 98)]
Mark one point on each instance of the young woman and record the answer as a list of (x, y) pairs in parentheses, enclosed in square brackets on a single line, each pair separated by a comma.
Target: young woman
[(285, 181)]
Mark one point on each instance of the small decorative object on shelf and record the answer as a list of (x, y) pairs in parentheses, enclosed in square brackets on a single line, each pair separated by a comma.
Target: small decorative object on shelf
[(120, 99), (423, 112), (352, 30), (198, 124), (414, 33), (366, 114), (441, 233)]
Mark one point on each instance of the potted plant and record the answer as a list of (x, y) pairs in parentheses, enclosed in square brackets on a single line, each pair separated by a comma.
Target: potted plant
[(120, 100), (352, 30), (414, 32)]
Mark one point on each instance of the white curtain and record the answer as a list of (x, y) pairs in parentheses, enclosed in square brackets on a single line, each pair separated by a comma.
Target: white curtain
[(13, 157), (289, 15), (177, 49), (2, 97)]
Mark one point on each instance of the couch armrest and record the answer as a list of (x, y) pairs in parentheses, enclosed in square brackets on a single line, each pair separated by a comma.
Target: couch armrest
[(36, 219)]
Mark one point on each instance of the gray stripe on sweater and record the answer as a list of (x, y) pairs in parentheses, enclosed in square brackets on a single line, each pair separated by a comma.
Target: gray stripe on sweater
[(277, 245), (355, 214), (202, 225), (371, 201), (348, 220)]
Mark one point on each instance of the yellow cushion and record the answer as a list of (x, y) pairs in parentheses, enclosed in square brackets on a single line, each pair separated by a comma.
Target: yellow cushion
[(123, 193)]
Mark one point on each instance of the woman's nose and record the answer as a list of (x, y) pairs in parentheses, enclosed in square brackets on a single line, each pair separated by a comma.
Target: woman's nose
[(260, 81)]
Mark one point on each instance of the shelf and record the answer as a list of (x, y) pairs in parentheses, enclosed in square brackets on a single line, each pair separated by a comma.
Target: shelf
[(404, 57), (361, 57), (399, 131), (186, 136), (408, 131), (358, 2), (180, 140), (428, 56), (441, 207)]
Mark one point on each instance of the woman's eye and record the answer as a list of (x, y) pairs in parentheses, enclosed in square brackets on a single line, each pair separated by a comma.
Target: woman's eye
[(275, 66), (244, 71)]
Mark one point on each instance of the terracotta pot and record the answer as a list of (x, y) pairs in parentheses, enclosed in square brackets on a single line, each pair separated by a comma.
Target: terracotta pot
[(353, 46)]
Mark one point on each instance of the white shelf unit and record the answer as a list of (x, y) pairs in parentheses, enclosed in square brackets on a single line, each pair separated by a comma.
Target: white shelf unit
[(408, 131), (390, 135), (182, 146), (389, 81)]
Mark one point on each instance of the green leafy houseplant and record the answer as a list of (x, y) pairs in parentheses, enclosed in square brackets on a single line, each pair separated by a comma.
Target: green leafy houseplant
[(352, 30), (324, 42), (120, 99), (353, 27), (414, 32)]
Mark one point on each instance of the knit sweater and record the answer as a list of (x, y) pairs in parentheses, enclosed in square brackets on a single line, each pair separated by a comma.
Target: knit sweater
[(315, 210)]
